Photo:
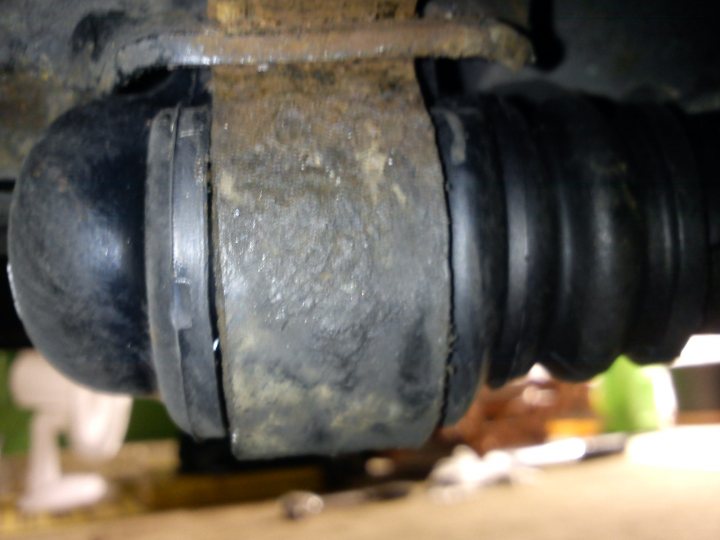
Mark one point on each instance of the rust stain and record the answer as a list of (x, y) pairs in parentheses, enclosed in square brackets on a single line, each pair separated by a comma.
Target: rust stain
[(244, 15), (28, 104), (261, 32), (414, 38)]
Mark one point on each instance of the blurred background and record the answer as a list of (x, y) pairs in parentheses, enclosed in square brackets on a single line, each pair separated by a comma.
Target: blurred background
[(536, 458)]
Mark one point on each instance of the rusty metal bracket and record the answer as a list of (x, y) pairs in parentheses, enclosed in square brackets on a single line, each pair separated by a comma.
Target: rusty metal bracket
[(209, 45)]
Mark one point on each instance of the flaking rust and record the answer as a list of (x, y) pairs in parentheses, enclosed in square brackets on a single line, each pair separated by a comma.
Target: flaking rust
[(298, 31), (239, 15), (416, 38), (289, 31)]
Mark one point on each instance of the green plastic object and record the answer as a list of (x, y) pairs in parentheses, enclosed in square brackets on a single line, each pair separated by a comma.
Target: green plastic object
[(632, 398)]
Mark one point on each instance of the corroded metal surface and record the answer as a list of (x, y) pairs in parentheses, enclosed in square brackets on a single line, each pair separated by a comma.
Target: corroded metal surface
[(331, 236), (96, 50), (267, 14), (388, 39), (27, 105)]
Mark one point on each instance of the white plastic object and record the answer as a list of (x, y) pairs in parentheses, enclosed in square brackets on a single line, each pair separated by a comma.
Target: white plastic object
[(462, 473), (94, 423)]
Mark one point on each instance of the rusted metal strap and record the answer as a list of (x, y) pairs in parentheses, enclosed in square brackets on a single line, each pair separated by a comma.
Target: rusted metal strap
[(384, 39)]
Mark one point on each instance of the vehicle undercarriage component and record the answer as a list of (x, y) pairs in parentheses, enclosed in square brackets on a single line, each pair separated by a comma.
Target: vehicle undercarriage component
[(310, 261), (578, 230), (581, 230)]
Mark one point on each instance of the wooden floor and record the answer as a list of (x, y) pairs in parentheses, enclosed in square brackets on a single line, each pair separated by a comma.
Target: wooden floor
[(608, 498)]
